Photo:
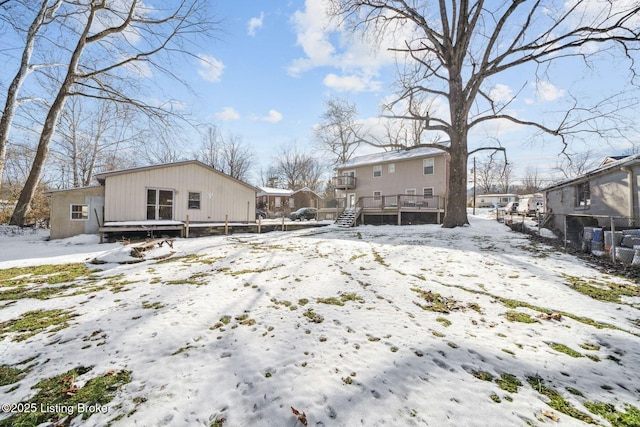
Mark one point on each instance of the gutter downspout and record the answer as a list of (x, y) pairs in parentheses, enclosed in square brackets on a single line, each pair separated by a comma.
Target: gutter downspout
[(632, 203)]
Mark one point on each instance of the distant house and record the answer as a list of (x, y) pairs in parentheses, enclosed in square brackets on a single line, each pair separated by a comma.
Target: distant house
[(396, 187), (609, 191), (305, 197), (494, 200), (158, 197), (275, 201)]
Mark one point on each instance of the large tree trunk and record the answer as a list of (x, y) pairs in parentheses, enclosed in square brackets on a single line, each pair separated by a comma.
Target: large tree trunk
[(456, 209), (42, 153), (11, 103), (48, 129)]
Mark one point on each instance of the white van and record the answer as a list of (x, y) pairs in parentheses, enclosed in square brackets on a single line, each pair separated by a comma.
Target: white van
[(529, 206)]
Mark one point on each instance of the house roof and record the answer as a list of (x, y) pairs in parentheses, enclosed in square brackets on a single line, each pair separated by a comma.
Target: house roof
[(603, 169), (270, 191), (62, 190), (306, 189), (391, 156), (496, 195), (101, 177)]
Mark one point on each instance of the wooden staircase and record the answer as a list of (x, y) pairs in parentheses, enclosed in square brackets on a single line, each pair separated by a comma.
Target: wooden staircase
[(348, 217)]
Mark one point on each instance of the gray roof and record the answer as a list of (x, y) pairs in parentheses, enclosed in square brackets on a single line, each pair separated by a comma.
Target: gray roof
[(391, 156), (607, 167)]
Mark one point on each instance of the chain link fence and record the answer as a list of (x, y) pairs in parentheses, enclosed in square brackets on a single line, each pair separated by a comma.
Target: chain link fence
[(617, 237)]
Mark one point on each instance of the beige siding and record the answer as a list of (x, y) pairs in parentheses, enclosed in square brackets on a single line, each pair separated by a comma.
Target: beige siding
[(408, 175), (125, 198), (61, 224)]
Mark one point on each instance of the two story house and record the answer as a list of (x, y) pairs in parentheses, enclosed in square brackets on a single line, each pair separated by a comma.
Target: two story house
[(394, 187)]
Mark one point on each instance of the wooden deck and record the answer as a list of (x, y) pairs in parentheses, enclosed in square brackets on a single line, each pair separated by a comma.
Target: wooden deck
[(154, 230)]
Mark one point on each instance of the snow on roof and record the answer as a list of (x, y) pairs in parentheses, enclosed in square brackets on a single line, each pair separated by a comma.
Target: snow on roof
[(306, 189), (274, 191), (391, 156)]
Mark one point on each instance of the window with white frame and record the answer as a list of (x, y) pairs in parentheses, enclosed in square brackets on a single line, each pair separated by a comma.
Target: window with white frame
[(377, 171), (292, 202), (427, 166), (377, 196), (159, 204), (391, 168), (278, 201), (427, 193), (80, 212), (194, 200)]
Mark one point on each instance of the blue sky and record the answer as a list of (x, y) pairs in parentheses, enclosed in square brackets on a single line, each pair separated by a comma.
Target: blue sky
[(276, 63), (267, 76)]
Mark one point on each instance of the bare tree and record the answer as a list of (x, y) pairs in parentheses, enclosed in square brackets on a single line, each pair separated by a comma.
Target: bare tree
[(228, 154), (104, 50), (576, 164), (269, 177), (209, 151), (451, 51), (487, 174), (506, 176), (297, 170), (532, 183), (339, 131), (42, 15), (92, 135)]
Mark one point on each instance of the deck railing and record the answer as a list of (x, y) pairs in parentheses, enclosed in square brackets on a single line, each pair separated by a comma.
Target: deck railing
[(400, 201), (344, 182)]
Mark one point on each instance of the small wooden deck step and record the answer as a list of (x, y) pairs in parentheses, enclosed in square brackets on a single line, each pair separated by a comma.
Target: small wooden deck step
[(348, 217)]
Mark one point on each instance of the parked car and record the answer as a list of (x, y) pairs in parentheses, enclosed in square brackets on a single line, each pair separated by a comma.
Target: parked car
[(260, 214), (511, 207), (304, 213)]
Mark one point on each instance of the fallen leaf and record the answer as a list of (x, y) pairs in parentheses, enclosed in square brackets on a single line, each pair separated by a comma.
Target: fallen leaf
[(551, 415), (302, 417), (71, 391)]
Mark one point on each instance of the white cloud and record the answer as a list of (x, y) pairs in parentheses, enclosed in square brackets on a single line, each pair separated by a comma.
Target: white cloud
[(547, 91), (326, 44), (313, 28), (210, 68), (254, 24), (351, 83), (273, 117), (227, 113), (501, 93)]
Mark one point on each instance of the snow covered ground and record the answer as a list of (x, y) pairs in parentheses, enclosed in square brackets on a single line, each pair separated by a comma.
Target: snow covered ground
[(373, 325)]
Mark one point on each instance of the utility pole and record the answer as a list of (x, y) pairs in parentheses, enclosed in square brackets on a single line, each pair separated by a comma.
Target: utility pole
[(474, 185)]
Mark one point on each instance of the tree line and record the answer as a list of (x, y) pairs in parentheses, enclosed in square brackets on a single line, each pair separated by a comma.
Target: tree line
[(77, 99)]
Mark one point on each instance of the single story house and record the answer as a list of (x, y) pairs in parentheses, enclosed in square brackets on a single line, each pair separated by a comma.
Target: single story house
[(406, 186), (161, 197), (305, 198), (275, 201), (609, 191), (494, 200)]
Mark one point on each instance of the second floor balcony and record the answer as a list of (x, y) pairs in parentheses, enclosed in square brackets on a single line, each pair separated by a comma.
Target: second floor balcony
[(344, 182)]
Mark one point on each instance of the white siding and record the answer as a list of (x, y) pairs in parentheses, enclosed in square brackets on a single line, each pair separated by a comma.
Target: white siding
[(125, 195)]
